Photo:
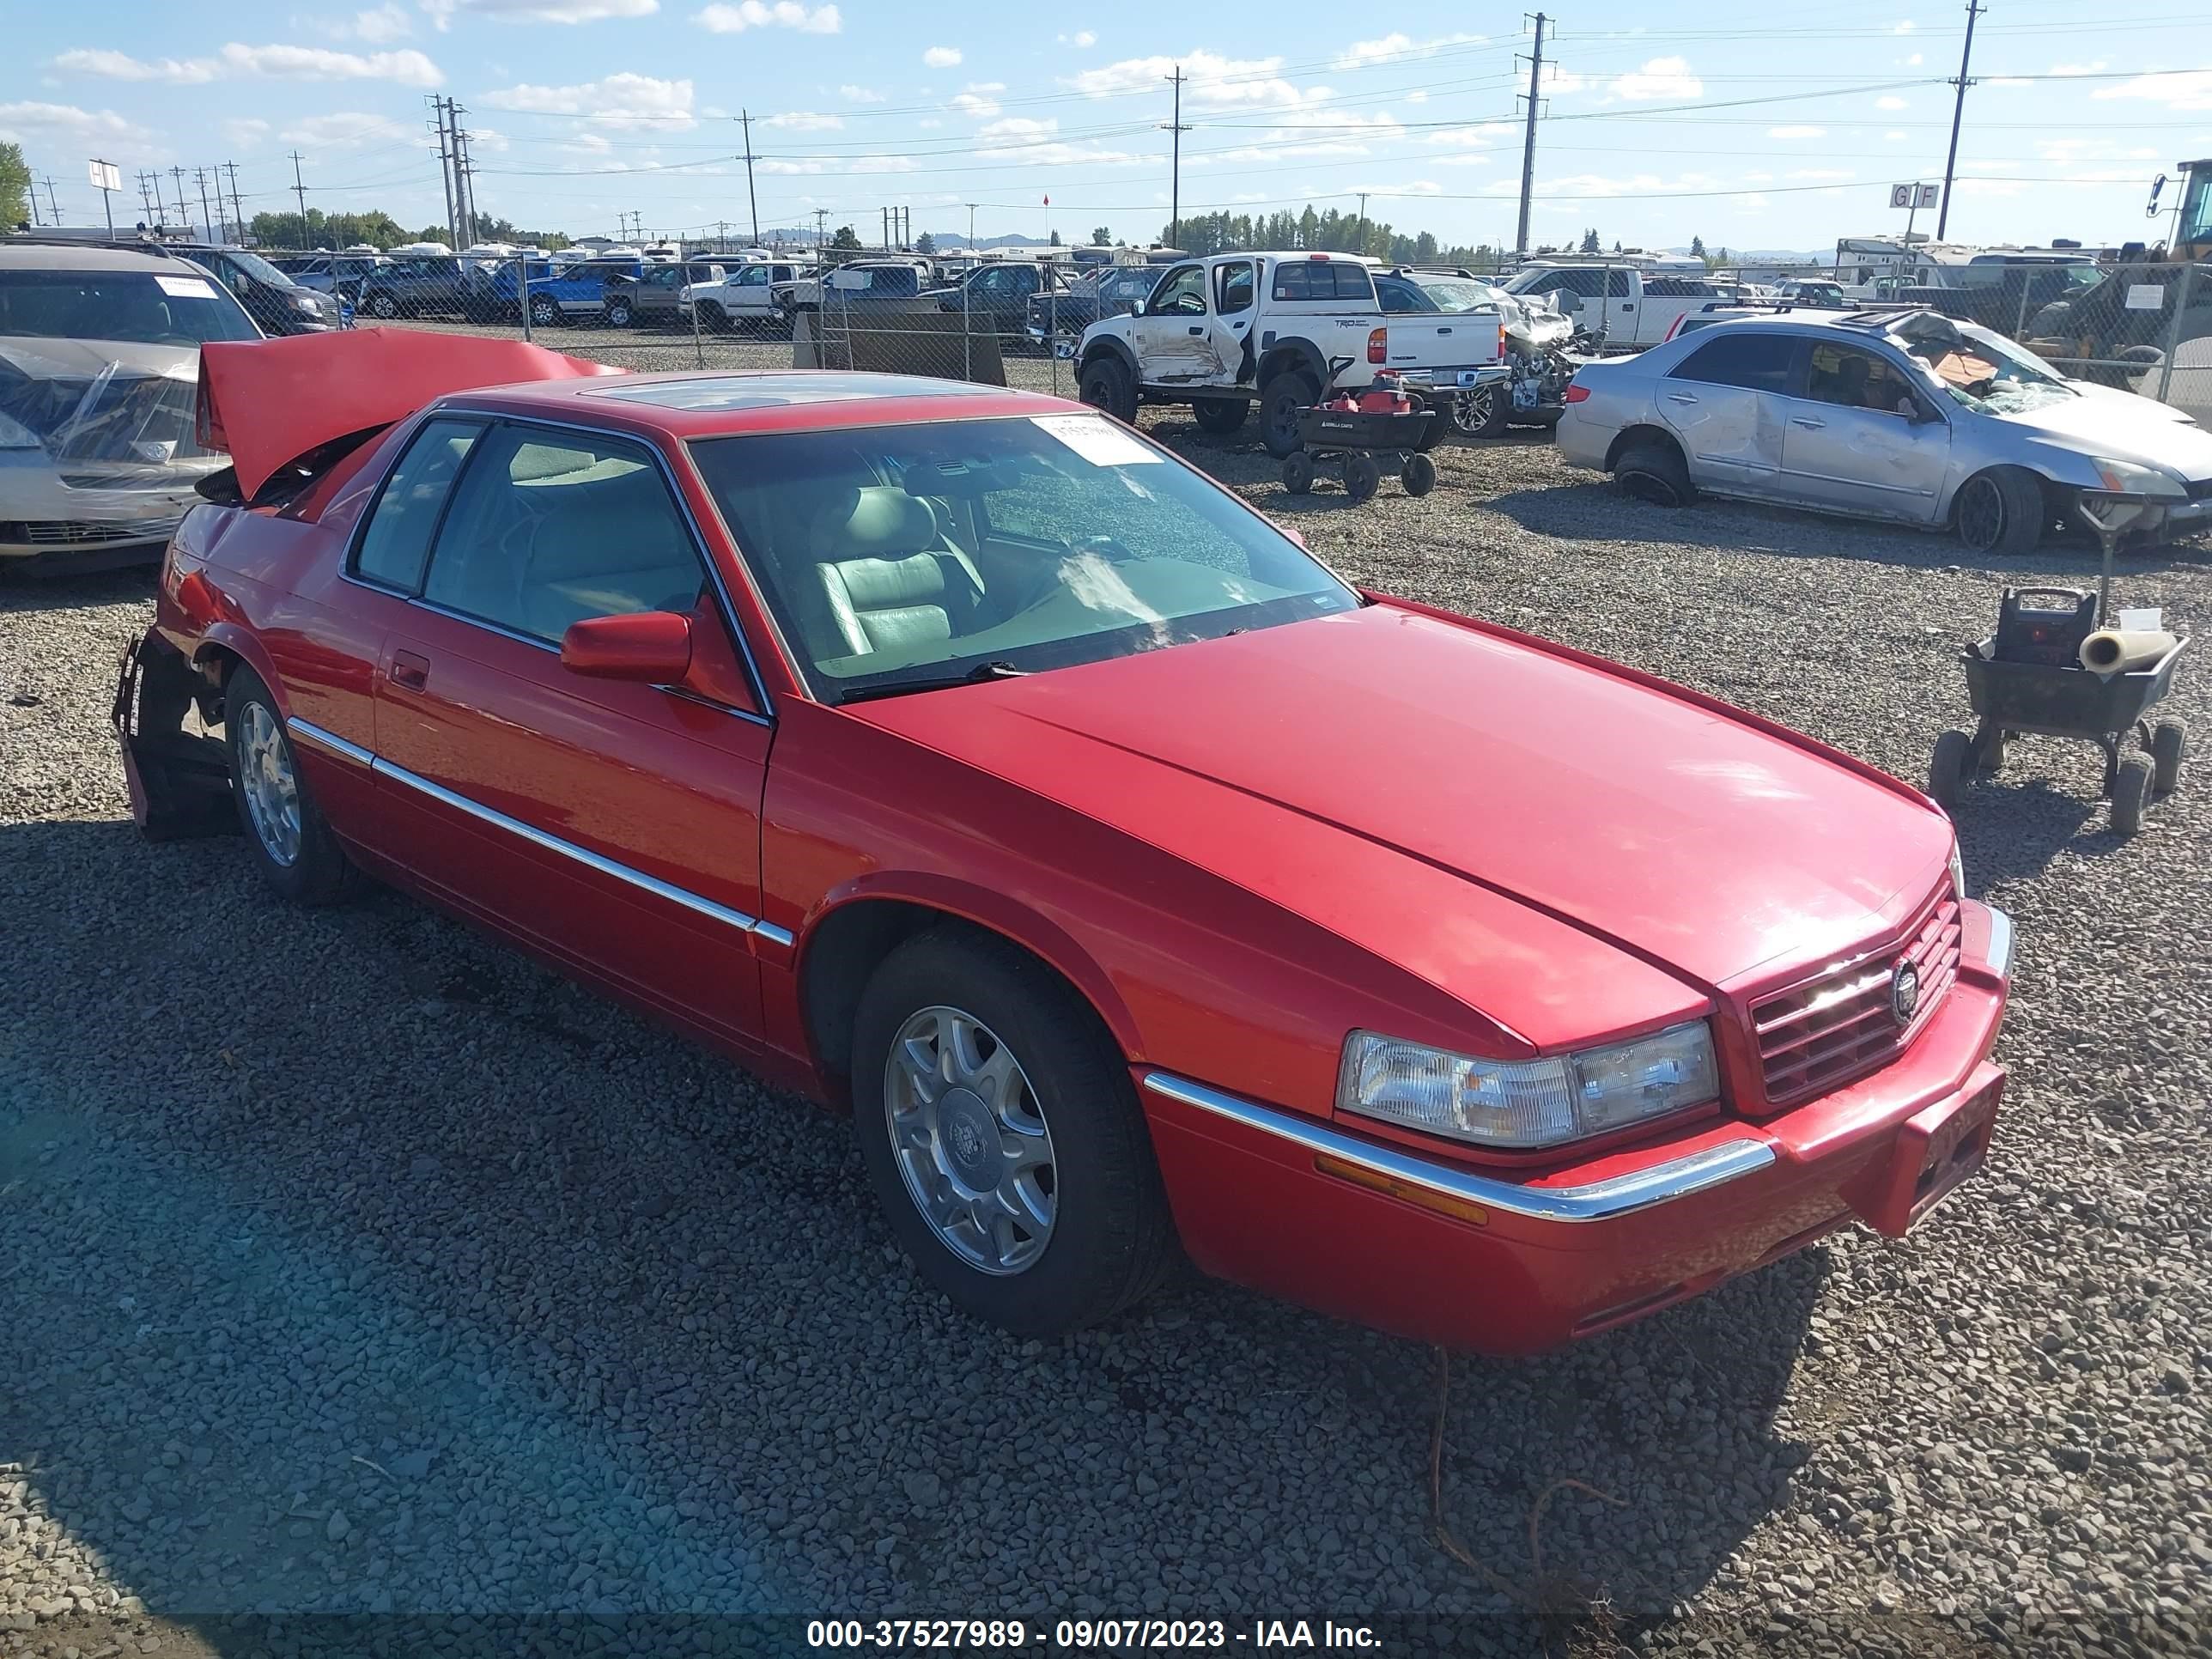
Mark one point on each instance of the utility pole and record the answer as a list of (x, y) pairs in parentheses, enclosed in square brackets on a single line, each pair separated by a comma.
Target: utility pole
[(300, 193), (146, 204), (1360, 247), (821, 227), (237, 206), (184, 213), (53, 208), (1974, 9), (1528, 137), (445, 162), (464, 178), (199, 178), (745, 119), (1175, 169)]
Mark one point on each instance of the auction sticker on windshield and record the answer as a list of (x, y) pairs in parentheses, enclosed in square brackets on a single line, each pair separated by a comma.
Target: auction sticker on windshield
[(1097, 440), (185, 287)]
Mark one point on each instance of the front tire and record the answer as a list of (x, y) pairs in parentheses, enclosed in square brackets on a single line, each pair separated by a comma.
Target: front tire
[(1482, 411), (619, 314), (1220, 415), (543, 313), (1281, 402), (1107, 388), (1004, 1138), (383, 307), (2000, 512), (298, 856)]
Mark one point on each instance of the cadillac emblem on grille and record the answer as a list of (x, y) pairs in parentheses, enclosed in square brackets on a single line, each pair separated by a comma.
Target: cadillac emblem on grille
[(1903, 993)]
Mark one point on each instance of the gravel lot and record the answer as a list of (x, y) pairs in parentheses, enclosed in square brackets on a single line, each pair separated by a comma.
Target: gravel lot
[(356, 1264)]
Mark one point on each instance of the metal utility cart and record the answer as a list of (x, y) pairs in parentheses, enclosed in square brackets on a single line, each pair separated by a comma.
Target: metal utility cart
[(1359, 442), (2062, 699)]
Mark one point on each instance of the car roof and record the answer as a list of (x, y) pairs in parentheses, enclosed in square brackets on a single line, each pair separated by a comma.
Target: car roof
[(713, 403), (87, 256)]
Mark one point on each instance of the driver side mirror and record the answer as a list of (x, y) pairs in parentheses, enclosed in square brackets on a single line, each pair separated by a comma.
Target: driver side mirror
[(650, 647)]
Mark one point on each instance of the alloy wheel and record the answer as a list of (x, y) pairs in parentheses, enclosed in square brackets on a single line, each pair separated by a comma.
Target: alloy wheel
[(1981, 514), (969, 1136), (272, 793), (1471, 411)]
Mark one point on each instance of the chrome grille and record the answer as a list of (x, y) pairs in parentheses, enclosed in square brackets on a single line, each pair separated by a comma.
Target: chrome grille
[(1820, 1034)]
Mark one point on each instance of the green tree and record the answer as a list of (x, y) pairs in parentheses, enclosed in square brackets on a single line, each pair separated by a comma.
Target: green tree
[(15, 187), (1697, 247), (1590, 244), (925, 244), (1102, 236), (846, 240), (1055, 239)]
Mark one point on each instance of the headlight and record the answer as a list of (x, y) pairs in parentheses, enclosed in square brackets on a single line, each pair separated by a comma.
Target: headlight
[(2130, 479), (13, 434), (1527, 1103)]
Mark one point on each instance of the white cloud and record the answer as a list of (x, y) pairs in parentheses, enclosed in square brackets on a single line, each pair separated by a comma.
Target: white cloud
[(1017, 126), (1470, 137), (2191, 90), (856, 164), (1893, 136), (805, 121), (1396, 47), (977, 99), (1210, 81), (378, 26), (246, 131), (852, 94), (24, 122), (1904, 27), (349, 130), (723, 18), (1082, 40), (1796, 132), (2096, 67), (1417, 96), (539, 11), (1891, 101), (1911, 60), (1661, 77), (236, 61), (1319, 132), (624, 102), (942, 58), (1559, 82)]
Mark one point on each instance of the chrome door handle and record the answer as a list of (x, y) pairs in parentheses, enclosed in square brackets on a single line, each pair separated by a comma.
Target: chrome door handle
[(1679, 398), (1809, 424), (409, 671)]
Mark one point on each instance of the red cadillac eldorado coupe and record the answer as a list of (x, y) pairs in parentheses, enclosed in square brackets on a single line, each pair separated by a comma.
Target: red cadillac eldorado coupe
[(960, 757)]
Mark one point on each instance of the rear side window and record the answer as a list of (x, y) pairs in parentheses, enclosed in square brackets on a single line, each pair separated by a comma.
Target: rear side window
[(396, 543), (1321, 279), (1732, 357)]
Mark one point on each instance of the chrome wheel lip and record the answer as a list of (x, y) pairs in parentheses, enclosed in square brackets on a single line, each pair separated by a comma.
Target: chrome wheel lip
[(266, 780), (970, 1138)]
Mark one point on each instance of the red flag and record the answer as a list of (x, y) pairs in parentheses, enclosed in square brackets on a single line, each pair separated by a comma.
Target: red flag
[(1047, 201)]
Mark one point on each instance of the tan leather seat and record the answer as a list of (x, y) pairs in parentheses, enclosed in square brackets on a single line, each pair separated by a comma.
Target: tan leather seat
[(888, 577)]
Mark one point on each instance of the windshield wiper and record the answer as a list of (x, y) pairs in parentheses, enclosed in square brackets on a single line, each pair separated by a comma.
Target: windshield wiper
[(994, 670)]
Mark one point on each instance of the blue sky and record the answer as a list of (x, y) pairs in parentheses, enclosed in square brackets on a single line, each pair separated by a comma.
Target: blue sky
[(1750, 124)]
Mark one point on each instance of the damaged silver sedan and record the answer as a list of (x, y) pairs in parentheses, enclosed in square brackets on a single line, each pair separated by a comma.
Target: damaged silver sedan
[(99, 372)]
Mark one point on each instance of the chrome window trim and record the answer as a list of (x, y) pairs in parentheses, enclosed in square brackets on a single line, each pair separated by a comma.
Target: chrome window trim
[(309, 732), (329, 742), (1600, 1201)]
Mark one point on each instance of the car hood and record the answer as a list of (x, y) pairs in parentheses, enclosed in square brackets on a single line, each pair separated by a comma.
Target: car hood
[(1672, 828), (2105, 420)]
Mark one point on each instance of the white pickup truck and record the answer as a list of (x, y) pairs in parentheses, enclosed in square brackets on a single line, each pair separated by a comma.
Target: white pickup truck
[(747, 294), (1630, 308), (1277, 329)]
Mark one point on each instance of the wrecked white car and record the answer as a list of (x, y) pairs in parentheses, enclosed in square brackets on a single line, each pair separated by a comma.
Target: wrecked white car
[(99, 372)]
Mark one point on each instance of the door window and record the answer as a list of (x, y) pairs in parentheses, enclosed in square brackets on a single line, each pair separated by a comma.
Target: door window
[(1183, 294), (1856, 379), (1232, 289), (549, 528), (1616, 284), (1758, 362), (396, 542)]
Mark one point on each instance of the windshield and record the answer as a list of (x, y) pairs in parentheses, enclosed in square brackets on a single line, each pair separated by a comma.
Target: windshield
[(1982, 370), (1451, 294), (256, 267), (914, 554), (144, 307)]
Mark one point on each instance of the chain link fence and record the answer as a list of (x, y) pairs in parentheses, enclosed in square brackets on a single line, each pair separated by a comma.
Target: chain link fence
[(2142, 327)]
